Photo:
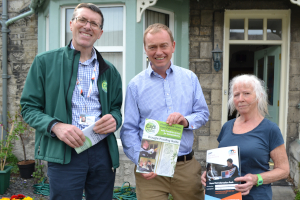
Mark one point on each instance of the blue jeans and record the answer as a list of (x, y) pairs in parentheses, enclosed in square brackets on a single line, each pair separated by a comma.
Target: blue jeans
[(90, 170)]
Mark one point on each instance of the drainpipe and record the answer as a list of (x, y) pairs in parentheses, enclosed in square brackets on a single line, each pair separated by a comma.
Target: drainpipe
[(5, 23), (33, 4), (4, 67)]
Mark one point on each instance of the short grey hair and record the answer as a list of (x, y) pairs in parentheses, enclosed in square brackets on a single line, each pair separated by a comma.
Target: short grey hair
[(92, 7), (259, 89)]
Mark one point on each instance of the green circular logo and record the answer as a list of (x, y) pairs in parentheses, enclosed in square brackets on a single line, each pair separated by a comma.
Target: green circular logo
[(151, 127), (104, 86)]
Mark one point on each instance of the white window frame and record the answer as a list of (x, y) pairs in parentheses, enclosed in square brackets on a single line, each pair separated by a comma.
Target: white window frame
[(285, 15), (47, 32), (171, 26)]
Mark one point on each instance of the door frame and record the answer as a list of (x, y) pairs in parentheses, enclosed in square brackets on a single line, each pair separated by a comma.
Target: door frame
[(285, 52)]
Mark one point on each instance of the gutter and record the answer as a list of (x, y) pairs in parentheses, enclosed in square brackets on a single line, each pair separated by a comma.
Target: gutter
[(34, 4)]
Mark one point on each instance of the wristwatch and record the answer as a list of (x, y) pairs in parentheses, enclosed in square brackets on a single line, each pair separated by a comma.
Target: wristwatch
[(259, 180)]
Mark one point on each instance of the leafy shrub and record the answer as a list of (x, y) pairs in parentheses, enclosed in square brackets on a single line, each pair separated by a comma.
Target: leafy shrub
[(38, 175), (12, 160)]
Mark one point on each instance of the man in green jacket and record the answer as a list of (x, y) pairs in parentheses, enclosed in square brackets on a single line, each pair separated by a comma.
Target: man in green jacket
[(62, 87)]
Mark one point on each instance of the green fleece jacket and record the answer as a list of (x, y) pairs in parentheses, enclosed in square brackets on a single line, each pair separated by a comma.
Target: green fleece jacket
[(47, 97)]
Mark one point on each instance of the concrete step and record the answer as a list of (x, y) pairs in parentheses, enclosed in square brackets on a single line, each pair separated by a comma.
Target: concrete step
[(283, 193)]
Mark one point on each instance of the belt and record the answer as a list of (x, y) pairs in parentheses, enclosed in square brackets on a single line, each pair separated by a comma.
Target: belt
[(187, 157)]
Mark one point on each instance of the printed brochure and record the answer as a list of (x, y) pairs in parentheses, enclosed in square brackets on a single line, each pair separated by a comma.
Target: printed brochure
[(222, 167), (159, 148), (91, 138)]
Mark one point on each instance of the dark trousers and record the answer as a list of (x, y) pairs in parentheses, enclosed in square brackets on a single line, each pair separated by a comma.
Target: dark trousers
[(90, 170)]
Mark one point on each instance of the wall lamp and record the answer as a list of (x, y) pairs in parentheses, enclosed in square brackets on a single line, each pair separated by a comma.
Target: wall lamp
[(217, 53)]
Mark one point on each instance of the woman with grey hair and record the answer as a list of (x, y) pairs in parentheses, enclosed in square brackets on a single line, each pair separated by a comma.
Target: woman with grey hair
[(258, 138)]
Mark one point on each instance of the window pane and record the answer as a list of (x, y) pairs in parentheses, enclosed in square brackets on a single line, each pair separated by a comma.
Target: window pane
[(116, 59), (260, 69), (274, 29), (237, 29), (112, 30), (113, 27), (270, 80), (68, 32), (255, 29), (153, 17)]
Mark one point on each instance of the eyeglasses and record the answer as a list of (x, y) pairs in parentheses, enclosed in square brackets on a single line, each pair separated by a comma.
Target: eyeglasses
[(82, 21)]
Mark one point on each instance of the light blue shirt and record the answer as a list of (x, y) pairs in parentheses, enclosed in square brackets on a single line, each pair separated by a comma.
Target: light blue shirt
[(91, 105), (150, 96)]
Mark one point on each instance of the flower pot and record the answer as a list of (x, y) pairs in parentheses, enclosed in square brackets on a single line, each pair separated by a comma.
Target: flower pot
[(5, 178), (26, 168)]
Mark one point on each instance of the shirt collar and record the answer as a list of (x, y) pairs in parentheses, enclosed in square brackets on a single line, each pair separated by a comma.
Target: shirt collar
[(150, 71), (87, 62)]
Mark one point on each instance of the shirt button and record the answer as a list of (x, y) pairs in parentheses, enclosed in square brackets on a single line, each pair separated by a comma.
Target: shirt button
[(170, 107), (167, 93)]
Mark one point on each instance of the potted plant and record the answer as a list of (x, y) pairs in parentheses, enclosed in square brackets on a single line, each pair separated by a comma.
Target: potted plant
[(5, 151), (22, 130)]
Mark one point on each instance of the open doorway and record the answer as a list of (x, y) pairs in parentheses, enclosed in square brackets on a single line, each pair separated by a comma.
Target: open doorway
[(264, 62)]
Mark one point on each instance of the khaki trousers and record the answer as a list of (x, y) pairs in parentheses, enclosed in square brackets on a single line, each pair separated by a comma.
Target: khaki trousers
[(185, 184)]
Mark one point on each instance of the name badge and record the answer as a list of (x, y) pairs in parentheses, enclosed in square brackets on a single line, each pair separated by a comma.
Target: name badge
[(86, 119)]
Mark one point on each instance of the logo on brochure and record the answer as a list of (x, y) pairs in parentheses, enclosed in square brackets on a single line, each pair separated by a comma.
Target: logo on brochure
[(104, 86), (232, 152), (151, 127)]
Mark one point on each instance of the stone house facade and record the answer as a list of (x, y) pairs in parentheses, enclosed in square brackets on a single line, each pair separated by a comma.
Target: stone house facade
[(207, 28)]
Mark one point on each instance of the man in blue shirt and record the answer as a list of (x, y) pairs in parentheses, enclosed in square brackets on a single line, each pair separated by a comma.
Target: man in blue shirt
[(169, 93)]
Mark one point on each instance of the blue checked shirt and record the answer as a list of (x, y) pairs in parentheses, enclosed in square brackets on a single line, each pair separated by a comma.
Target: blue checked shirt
[(91, 105), (150, 96)]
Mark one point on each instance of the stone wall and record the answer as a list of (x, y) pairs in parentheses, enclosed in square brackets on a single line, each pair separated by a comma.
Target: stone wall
[(204, 36), (202, 42), (22, 48), (294, 82)]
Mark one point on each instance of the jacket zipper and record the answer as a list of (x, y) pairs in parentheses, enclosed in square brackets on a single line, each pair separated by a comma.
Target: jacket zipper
[(67, 98)]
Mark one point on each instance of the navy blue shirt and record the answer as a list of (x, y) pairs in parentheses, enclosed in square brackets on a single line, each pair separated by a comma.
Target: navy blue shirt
[(255, 147)]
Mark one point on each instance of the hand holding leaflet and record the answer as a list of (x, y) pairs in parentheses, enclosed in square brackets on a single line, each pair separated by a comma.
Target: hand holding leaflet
[(91, 138), (159, 148), (223, 166)]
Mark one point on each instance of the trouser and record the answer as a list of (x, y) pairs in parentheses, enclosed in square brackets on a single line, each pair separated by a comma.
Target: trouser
[(185, 184), (90, 170)]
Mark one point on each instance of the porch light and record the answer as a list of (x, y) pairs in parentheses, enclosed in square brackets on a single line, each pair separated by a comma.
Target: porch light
[(217, 53)]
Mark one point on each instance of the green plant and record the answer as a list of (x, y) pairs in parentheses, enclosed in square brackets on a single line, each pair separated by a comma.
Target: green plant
[(6, 146), (22, 129), (12, 160), (38, 175), (170, 197), (297, 191)]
